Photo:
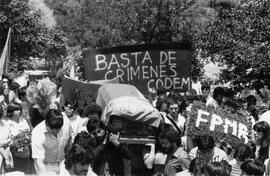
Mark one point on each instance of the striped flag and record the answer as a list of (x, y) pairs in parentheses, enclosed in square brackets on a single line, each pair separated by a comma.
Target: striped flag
[(5, 56)]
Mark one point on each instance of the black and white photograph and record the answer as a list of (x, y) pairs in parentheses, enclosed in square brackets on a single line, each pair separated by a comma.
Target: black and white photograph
[(134, 87)]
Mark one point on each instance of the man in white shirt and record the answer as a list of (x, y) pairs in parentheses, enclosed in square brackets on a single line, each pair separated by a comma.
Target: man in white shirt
[(173, 115), (206, 149), (50, 139)]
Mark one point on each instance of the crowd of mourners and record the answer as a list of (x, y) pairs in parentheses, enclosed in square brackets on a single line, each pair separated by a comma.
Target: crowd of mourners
[(70, 140)]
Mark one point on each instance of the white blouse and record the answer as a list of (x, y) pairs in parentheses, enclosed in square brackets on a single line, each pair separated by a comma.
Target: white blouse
[(17, 127)]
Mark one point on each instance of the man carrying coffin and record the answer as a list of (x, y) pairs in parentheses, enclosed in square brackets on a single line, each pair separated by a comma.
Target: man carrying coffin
[(50, 139)]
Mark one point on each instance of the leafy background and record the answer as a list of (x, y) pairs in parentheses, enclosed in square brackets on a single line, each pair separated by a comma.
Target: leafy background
[(233, 33)]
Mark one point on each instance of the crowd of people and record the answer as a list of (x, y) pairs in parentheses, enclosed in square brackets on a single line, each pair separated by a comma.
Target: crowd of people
[(70, 140)]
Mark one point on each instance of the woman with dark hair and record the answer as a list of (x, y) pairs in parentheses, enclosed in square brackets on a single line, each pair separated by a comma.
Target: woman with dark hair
[(16, 121), (18, 124), (262, 140)]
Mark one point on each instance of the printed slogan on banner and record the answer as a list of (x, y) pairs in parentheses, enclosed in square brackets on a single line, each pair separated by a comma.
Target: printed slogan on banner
[(145, 66)]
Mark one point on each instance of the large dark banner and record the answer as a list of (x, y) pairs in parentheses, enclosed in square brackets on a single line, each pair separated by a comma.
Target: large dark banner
[(145, 66)]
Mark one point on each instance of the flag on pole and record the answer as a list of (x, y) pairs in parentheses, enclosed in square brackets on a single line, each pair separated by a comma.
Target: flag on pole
[(5, 56)]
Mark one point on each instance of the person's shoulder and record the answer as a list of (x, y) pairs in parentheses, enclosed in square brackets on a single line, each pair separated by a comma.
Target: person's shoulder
[(219, 151), (183, 173), (40, 128), (193, 151), (265, 117)]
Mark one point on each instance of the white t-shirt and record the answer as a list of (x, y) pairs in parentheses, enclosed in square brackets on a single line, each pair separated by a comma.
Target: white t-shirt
[(218, 156)]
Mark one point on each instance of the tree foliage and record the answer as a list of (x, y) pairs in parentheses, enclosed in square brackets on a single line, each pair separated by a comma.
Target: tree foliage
[(100, 23), (239, 39), (29, 37)]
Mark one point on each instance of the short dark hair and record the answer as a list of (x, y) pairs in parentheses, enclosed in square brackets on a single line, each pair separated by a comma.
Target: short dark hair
[(54, 119), (205, 142), (243, 152), (251, 100), (168, 132), (22, 92), (263, 127), (84, 139), (215, 169), (172, 101), (91, 109), (253, 167), (218, 91), (78, 154), (196, 166)]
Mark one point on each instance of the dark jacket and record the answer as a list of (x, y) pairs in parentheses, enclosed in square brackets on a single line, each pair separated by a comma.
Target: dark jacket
[(113, 156)]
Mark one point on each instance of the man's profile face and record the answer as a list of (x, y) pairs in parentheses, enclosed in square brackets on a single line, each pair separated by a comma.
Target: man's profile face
[(173, 110), (80, 169), (166, 145)]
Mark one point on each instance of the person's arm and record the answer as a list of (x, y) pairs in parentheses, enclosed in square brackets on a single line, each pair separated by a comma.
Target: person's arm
[(149, 156), (40, 167), (190, 143), (3, 153), (5, 143), (70, 132), (120, 148)]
